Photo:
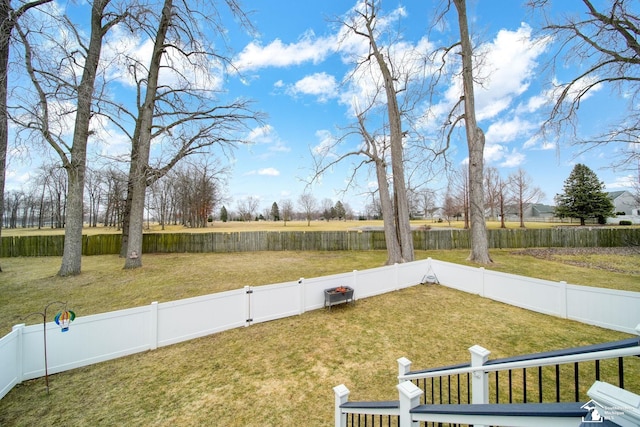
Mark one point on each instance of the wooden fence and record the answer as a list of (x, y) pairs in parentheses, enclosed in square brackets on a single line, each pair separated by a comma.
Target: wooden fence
[(361, 240)]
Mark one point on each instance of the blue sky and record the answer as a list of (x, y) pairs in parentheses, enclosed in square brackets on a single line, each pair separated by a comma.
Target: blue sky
[(295, 63)]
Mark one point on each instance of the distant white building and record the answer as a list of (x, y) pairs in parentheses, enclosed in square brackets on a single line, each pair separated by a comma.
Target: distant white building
[(624, 202), (626, 207)]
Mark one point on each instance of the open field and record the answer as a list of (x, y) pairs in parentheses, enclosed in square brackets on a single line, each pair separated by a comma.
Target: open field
[(236, 226), (280, 372)]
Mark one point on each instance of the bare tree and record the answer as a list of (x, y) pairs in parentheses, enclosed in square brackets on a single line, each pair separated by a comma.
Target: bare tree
[(42, 116), (491, 190), (248, 207), (475, 142), (308, 205), (8, 19), (523, 191), (286, 210), (185, 113), (382, 148), (604, 43), (401, 204)]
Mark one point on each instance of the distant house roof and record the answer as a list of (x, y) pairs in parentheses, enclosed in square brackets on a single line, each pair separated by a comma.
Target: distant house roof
[(542, 209), (615, 194)]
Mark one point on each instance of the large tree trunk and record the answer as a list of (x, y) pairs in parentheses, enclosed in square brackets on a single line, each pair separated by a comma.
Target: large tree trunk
[(5, 36), (394, 252), (142, 146), (397, 158), (72, 254), (475, 141)]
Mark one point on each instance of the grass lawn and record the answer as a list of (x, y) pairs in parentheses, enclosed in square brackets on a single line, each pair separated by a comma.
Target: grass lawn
[(280, 372)]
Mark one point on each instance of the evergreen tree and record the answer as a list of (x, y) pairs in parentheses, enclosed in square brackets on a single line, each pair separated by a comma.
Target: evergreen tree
[(583, 197), (340, 210), (224, 216), (275, 212)]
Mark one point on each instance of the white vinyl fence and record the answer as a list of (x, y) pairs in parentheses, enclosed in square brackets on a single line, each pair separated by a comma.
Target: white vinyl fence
[(101, 337)]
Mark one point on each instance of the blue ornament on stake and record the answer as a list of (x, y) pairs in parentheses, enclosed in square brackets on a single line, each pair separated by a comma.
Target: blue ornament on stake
[(64, 318)]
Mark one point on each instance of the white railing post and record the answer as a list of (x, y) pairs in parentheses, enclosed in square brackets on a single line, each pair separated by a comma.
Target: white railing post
[(404, 366), (615, 404), (482, 292), (409, 399), (480, 379), (341, 393), (153, 326)]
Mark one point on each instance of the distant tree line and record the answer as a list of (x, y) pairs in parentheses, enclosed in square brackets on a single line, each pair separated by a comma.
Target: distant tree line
[(192, 196)]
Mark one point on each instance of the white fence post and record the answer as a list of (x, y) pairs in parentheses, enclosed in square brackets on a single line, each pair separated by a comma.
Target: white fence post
[(19, 353), (354, 282), (341, 393), (482, 292), (409, 399), (564, 310), (153, 326), (302, 291), (247, 313), (404, 366), (480, 379), (396, 275)]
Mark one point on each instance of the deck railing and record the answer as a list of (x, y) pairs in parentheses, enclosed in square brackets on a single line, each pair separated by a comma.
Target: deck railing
[(555, 382)]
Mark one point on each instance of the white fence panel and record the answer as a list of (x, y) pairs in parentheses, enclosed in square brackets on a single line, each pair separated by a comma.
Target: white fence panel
[(96, 338), (538, 295), (196, 317), (607, 308), (376, 281), (461, 277), (275, 301), (10, 360), (412, 273), (314, 288), (90, 339)]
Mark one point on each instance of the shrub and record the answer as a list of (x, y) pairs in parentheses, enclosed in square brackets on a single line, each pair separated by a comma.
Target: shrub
[(625, 222)]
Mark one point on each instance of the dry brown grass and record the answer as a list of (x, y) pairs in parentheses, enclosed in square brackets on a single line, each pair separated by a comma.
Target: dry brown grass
[(275, 373), (235, 226)]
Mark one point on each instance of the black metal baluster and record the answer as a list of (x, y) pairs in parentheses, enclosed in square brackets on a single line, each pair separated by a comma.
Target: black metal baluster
[(524, 384), (459, 389), (497, 389), (577, 382), (540, 382), (449, 388), (598, 370), (621, 372), (557, 383), (510, 387)]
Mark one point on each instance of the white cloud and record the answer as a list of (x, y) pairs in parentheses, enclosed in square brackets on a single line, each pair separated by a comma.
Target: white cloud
[(504, 67), (512, 159), (261, 135), (508, 130), (255, 56), (326, 144), (321, 85), (269, 172), (125, 51), (623, 182)]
